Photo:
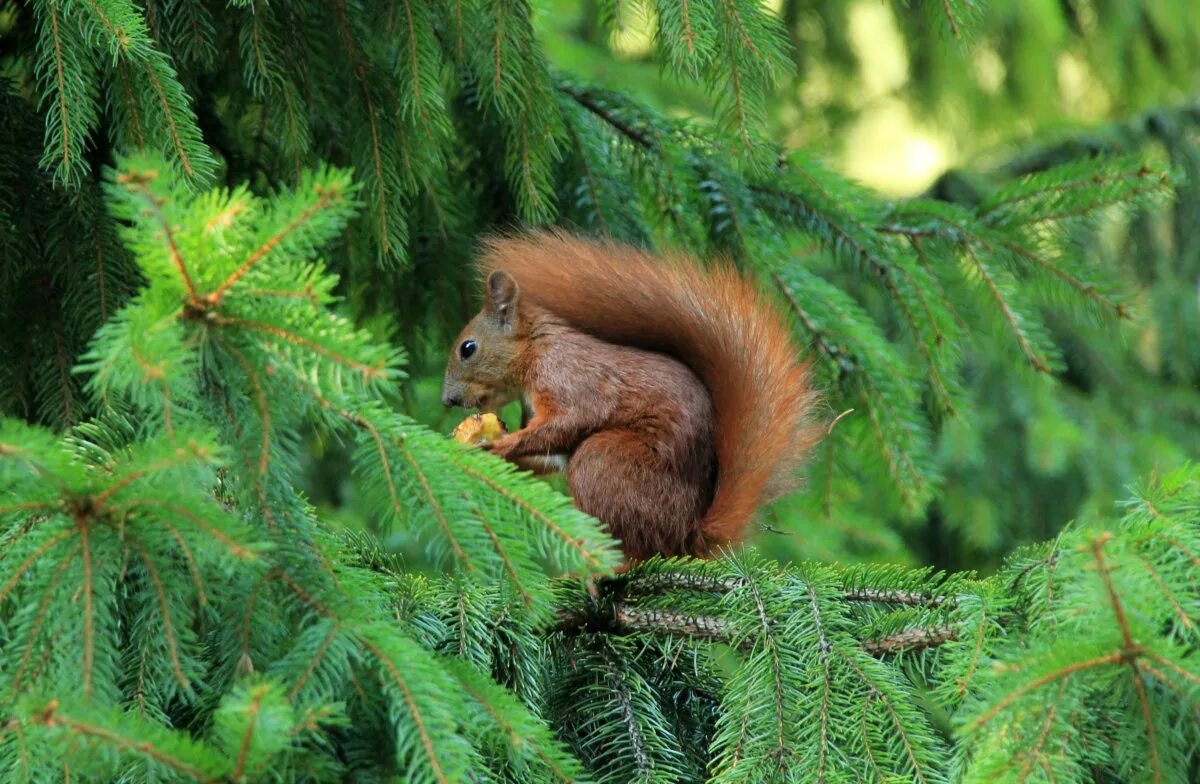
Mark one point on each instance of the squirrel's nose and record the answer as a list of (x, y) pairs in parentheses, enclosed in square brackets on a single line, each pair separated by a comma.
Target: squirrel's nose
[(450, 401)]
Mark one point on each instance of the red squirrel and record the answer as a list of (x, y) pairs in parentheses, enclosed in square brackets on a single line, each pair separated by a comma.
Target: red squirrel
[(669, 391)]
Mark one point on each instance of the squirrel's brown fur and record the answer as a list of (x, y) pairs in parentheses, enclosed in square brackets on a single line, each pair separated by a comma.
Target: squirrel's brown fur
[(672, 391)]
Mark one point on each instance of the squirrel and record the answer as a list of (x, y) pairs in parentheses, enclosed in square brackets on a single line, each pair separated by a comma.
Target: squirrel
[(669, 391)]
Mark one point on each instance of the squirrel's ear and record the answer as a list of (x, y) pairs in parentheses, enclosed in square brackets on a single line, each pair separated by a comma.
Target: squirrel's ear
[(502, 295)]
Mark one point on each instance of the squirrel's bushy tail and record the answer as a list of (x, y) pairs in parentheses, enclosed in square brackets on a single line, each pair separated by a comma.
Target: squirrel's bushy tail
[(710, 318)]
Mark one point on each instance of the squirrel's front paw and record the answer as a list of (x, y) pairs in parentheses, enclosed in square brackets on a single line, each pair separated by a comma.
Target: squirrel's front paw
[(502, 447)]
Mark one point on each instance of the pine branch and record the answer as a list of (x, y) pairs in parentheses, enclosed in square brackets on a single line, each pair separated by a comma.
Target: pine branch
[(192, 763), (886, 596), (911, 640), (138, 182), (325, 197), (40, 618), (621, 618), (1011, 317), (1130, 649), (587, 100)]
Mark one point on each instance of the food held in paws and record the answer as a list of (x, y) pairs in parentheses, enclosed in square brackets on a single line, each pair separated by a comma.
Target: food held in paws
[(479, 429)]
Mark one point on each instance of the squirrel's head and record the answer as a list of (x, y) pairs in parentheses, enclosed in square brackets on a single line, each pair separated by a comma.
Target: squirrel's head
[(481, 372)]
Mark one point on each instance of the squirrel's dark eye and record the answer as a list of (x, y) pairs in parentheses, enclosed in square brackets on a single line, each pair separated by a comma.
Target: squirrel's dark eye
[(467, 349)]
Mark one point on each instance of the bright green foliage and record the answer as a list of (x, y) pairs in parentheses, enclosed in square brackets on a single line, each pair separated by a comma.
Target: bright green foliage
[(160, 560), (172, 567), (1104, 674), (220, 223), (455, 124)]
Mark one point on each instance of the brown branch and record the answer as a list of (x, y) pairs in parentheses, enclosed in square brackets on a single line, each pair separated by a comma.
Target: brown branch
[(62, 97), (120, 36), (587, 101), (368, 371), (251, 602), (738, 102), (138, 183), (317, 658), (264, 409), (893, 457), (650, 619), (887, 596), (360, 76), (1131, 649), (911, 640), (170, 116), (326, 197), (887, 703), (533, 511), (36, 629), (414, 61), (255, 706), (1050, 677), (443, 523), (1089, 180), (1088, 290), (412, 708), (516, 739), (588, 177), (621, 618), (689, 36), (845, 366), (195, 519), (190, 559), (64, 372), (51, 718), (666, 582), (29, 561), (1036, 751), (89, 646), (504, 559), (27, 506), (499, 46), (1034, 358), (950, 18), (367, 425), (168, 627), (198, 454)]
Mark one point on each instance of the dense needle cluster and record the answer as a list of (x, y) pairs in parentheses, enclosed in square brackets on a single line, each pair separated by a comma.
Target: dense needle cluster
[(191, 294)]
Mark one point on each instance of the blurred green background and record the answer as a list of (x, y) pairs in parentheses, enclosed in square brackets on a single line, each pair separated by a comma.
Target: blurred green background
[(881, 96)]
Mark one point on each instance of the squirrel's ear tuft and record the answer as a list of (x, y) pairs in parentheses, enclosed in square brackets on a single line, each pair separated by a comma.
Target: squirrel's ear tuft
[(502, 295)]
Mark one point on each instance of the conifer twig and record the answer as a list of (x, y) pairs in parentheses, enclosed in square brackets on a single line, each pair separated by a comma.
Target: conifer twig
[(325, 198), (138, 182), (1131, 649), (1035, 359), (911, 640), (255, 706), (664, 582), (622, 618), (587, 101), (51, 717), (895, 596)]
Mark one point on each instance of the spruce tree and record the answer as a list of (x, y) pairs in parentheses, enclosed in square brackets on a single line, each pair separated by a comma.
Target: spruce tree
[(234, 239)]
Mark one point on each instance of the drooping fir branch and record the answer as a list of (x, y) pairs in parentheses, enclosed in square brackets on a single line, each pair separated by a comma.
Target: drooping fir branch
[(934, 263)]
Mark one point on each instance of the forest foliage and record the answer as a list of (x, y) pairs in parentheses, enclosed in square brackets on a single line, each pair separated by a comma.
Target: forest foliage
[(235, 238)]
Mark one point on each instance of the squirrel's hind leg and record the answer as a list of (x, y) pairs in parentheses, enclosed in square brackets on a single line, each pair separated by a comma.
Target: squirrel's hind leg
[(618, 478)]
